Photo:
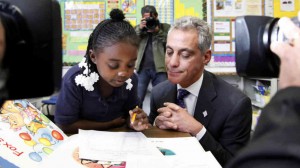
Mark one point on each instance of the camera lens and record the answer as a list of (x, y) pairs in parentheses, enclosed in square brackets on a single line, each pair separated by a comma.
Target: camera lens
[(277, 33), (254, 57), (151, 23), (270, 32), (274, 33)]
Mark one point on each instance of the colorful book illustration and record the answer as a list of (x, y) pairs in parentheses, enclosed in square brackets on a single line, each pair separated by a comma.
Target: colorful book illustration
[(27, 136), (97, 163), (68, 154)]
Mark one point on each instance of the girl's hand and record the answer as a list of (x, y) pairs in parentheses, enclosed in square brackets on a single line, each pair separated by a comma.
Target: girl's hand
[(138, 119)]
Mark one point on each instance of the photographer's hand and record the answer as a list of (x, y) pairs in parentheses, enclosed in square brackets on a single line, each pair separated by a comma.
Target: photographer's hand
[(143, 23), (289, 53)]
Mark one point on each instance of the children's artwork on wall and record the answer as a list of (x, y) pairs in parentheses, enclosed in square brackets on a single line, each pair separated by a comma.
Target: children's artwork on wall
[(112, 4), (27, 136), (132, 21), (165, 10), (287, 8), (189, 8), (287, 5), (83, 15), (129, 6)]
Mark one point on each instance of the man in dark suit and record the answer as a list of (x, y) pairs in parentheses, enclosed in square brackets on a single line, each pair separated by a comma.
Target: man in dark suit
[(216, 113), (276, 139)]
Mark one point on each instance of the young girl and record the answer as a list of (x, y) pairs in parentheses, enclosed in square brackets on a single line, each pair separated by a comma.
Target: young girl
[(101, 91)]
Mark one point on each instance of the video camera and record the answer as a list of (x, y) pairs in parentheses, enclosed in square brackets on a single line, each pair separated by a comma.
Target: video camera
[(253, 36), (151, 22), (32, 61)]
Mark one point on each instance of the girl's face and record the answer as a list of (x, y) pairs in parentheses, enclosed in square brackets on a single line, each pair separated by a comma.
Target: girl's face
[(116, 63)]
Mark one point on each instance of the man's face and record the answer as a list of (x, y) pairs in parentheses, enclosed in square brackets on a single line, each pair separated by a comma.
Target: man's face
[(184, 61), (2, 42), (146, 15)]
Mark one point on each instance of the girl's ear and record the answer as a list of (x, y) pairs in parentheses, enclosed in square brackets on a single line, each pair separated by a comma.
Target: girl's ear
[(92, 56)]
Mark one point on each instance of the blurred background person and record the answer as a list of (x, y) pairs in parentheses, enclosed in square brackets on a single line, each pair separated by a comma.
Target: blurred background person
[(150, 64)]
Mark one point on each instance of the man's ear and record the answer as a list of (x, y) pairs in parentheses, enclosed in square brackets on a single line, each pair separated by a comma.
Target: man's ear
[(207, 56)]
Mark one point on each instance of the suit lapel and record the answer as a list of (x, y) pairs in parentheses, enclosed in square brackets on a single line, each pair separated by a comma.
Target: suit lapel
[(169, 93), (204, 109)]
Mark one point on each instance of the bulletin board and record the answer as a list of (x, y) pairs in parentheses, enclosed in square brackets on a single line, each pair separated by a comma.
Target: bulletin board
[(80, 17), (222, 20)]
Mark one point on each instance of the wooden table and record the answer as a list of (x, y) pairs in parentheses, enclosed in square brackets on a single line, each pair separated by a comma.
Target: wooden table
[(154, 132)]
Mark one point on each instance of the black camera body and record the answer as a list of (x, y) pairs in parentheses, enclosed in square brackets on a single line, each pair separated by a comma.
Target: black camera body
[(254, 57), (254, 35), (32, 63), (151, 23)]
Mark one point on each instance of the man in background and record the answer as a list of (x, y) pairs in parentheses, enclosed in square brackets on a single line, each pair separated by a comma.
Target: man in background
[(151, 54)]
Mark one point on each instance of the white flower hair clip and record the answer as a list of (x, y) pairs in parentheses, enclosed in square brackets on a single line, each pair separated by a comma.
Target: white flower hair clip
[(129, 84), (85, 80)]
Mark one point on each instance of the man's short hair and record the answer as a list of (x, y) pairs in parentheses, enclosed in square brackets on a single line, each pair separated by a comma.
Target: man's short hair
[(149, 9)]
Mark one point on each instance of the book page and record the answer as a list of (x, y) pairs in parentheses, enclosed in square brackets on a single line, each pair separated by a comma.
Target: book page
[(113, 146)]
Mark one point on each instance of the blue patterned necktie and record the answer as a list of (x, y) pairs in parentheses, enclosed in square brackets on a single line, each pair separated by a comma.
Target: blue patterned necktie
[(182, 93)]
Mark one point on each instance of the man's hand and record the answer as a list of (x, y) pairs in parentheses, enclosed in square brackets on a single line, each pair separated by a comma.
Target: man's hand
[(288, 53), (174, 117), (164, 119)]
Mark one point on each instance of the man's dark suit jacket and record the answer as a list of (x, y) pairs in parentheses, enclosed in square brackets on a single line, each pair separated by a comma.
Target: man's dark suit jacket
[(229, 114), (276, 139)]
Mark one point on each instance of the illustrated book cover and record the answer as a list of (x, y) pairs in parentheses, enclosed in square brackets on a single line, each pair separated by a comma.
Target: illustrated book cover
[(27, 136)]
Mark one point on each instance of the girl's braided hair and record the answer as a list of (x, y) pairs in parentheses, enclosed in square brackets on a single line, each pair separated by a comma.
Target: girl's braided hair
[(109, 32)]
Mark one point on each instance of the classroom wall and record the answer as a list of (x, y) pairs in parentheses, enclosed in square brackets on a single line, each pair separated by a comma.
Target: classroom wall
[(79, 17)]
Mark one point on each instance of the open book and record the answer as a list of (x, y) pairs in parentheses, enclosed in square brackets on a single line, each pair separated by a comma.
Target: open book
[(27, 136)]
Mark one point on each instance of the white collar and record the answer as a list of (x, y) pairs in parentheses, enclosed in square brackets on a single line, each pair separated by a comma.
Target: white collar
[(195, 87)]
